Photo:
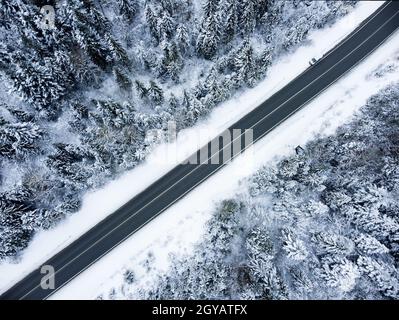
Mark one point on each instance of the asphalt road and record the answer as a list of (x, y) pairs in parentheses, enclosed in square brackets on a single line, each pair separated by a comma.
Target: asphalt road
[(98, 241)]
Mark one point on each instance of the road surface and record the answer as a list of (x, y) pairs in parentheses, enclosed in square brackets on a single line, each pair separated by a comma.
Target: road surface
[(102, 238)]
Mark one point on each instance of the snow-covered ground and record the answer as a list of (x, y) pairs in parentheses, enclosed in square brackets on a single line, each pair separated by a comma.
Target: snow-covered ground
[(177, 229)]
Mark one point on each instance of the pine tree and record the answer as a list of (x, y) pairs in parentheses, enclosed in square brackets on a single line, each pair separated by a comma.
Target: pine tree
[(258, 244), (315, 209), (332, 243), (182, 38), (168, 5), (152, 22), (261, 263), (294, 247), (111, 113), (247, 19), (173, 104), (338, 273), (40, 83), (19, 139), (14, 235), (128, 9), (374, 223), (209, 34), (160, 20), (301, 281), (166, 25), (263, 62), (193, 108), (244, 64), (129, 276), (122, 80), (171, 61), (261, 7), (19, 114), (5, 56), (382, 275), (231, 22), (70, 162), (141, 89), (370, 245)]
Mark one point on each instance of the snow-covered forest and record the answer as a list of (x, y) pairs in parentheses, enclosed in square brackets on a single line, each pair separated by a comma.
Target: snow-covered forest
[(322, 223), (76, 100)]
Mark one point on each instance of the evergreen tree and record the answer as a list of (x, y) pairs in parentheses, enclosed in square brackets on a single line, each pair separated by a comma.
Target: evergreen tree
[(338, 273), (182, 38), (332, 243), (155, 93), (370, 245), (128, 9), (166, 25), (231, 22), (173, 103), (382, 275), (15, 235), (295, 248), (116, 52), (70, 163), (122, 80), (111, 113), (19, 139), (264, 61), (152, 22), (171, 61), (57, 71), (261, 7), (193, 108), (244, 64), (141, 89)]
